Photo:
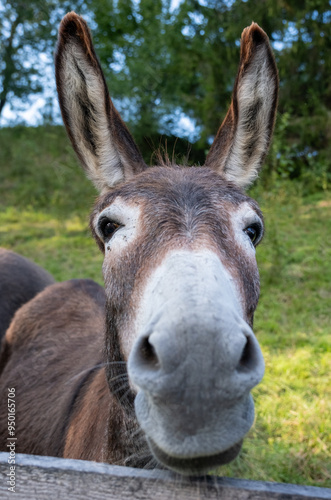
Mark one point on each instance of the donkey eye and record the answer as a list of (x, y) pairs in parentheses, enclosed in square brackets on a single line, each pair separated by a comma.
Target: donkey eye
[(254, 232), (108, 227)]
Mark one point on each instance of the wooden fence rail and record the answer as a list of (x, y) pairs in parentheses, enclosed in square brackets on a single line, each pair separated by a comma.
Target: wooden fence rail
[(48, 478)]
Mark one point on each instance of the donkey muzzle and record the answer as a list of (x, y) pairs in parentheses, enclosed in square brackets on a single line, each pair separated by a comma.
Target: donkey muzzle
[(194, 363)]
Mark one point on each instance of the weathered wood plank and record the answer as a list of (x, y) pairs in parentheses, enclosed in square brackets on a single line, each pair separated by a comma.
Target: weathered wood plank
[(47, 477)]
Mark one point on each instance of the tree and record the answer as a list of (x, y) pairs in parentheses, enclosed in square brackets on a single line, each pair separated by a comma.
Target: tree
[(27, 30), (156, 64), (131, 40), (162, 64)]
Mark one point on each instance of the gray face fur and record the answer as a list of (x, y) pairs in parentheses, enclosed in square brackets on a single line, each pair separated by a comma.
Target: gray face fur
[(195, 360)]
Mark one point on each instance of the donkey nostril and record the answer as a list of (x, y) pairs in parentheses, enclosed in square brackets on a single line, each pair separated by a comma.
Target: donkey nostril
[(148, 355), (248, 357)]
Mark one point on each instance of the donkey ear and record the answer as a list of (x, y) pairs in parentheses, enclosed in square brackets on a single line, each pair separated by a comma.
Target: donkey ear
[(101, 140), (243, 138)]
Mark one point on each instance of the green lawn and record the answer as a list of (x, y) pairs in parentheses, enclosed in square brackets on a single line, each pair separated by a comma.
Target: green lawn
[(44, 207), (291, 440)]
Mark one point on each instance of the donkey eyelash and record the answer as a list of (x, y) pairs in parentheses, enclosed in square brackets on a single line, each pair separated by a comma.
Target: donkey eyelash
[(107, 228), (254, 232)]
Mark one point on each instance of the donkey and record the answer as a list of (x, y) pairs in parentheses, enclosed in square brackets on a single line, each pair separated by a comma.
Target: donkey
[(20, 281), (167, 380)]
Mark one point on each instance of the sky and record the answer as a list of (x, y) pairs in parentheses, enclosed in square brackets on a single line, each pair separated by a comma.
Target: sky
[(32, 111)]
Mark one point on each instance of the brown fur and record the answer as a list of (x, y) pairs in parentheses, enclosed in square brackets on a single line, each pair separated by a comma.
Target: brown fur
[(20, 281), (51, 345)]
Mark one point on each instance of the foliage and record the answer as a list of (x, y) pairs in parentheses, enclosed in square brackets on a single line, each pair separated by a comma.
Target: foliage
[(27, 31), (44, 205), (163, 64)]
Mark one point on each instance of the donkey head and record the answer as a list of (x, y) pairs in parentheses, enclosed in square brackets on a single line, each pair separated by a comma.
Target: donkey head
[(180, 272)]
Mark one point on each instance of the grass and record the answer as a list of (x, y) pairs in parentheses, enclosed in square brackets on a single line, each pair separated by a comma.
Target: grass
[(44, 207), (45, 202), (291, 440)]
